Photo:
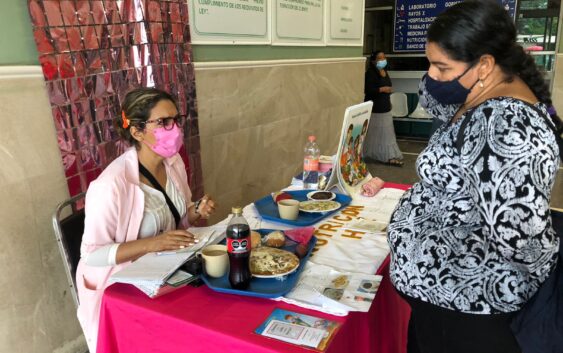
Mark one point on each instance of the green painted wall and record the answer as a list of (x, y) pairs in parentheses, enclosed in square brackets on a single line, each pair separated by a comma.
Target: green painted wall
[(266, 52), (18, 47), (16, 37)]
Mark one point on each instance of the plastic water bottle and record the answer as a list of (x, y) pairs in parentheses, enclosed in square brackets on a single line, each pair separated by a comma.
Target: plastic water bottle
[(311, 164)]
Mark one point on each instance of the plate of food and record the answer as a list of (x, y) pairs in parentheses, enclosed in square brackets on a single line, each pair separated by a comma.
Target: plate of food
[(267, 262), (268, 208), (321, 195), (315, 206), (275, 279)]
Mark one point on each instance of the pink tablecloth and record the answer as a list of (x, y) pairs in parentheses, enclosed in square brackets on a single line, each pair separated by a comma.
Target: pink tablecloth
[(201, 320)]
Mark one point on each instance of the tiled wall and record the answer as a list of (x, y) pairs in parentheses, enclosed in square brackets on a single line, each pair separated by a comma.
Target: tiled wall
[(254, 122), (37, 312)]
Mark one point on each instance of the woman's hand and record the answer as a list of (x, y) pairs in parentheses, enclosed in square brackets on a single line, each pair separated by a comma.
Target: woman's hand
[(172, 240), (386, 89), (206, 207)]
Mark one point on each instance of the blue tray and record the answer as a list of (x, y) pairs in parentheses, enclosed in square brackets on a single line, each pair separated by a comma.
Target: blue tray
[(268, 209), (264, 287)]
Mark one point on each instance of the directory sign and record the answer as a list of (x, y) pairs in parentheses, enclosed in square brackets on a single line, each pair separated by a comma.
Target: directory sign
[(413, 17)]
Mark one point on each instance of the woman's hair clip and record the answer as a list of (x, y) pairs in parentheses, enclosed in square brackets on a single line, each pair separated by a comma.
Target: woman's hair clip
[(125, 120)]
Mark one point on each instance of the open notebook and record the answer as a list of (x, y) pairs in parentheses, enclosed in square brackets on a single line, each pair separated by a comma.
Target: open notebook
[(150, 272)]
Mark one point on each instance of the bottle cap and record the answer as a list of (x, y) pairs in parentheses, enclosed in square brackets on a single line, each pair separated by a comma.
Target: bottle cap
[(312, 138), (236, 210)]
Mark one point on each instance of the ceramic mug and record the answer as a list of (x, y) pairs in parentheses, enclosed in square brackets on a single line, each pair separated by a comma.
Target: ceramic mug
[(289, 209), (215, 260)]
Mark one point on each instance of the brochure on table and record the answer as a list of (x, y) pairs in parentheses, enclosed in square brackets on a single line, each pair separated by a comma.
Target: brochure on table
[(350, 172), (300, 329)]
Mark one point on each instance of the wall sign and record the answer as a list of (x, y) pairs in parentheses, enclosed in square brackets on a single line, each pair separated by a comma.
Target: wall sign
[(230, 22), (298, 22), (345, 22), (413, 17)]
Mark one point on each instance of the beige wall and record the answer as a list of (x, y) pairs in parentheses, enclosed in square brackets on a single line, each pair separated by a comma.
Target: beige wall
[(37, 313), (254, 120), (557, 91), (253, 123)]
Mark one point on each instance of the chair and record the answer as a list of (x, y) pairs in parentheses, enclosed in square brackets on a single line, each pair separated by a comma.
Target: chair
[(399, 104), (419, 113), (68, 231)]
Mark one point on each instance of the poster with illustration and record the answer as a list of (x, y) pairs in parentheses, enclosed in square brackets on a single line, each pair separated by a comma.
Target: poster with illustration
[(350, 171)]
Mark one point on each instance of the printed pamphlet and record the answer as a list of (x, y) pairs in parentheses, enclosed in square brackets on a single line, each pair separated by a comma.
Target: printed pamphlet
[(303, 330)]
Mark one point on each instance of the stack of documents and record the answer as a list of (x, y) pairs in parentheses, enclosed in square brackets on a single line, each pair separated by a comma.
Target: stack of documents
[(150, 272)]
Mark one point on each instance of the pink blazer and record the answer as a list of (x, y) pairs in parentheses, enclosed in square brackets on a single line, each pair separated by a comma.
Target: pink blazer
[(114, 210)]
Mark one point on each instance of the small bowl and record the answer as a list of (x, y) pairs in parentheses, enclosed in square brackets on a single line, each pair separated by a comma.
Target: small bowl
[(320, 195)]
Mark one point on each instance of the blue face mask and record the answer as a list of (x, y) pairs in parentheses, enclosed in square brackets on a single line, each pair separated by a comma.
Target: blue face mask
[(381, 64), (448, 92)]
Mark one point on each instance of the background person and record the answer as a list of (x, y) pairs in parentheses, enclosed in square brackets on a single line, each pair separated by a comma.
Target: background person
[(380, 143), (126, 214), (473, 240)]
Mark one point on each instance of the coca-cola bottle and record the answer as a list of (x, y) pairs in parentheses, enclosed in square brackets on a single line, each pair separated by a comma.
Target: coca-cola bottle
[(238, 247)]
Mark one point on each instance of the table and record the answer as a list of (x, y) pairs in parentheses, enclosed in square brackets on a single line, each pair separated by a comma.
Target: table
[(201, 320)]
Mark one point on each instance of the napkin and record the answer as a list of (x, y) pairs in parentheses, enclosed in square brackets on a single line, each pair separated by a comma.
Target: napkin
[(300, 235), (371, 188)]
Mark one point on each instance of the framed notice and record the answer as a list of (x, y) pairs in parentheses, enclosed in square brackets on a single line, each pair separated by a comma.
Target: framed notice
[(345, 22), (413, 17), (230, 21), (298, 22)]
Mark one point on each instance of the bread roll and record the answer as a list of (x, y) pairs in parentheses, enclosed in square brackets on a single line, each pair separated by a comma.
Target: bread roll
[(275, 239), (255, 239)]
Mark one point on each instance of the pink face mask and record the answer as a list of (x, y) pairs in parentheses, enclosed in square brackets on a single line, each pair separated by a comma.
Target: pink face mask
[(168, 142)]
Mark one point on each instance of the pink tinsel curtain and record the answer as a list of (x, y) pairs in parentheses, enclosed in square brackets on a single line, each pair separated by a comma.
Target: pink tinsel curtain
[(92, 52)]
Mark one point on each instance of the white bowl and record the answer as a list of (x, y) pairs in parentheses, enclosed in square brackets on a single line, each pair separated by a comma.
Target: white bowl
[(312, 193)]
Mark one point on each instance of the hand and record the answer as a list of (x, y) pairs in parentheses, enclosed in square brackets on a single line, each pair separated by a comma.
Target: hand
[(172, 240), (206, 207), (386, 89)]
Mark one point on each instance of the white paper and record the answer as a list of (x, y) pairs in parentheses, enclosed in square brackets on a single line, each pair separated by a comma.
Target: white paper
[(367, 225), (150, 272), (333, 291)]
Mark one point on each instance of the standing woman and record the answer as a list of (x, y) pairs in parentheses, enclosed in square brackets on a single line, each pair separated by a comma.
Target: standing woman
[(141, 203), (473, 240), (380, 143)]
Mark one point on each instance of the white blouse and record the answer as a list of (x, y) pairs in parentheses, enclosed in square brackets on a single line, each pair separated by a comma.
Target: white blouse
[(157, 218)]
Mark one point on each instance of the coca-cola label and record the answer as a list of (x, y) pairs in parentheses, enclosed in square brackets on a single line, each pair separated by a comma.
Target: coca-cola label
[(238, 246), (311, 164)]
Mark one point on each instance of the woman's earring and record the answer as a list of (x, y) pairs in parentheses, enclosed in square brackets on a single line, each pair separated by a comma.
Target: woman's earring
[(481, 84)]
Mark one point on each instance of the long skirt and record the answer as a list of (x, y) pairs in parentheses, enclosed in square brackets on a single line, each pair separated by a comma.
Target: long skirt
[(380, 143)]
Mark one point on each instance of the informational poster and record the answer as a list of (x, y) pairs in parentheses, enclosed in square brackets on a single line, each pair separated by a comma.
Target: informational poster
[(345, 22), (298, 22), (413, 17), (350, 171), (230, 22)]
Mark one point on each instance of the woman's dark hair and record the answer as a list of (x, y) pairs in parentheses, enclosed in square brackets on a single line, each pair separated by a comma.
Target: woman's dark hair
[(473, 28), (136, 107), (373, 57)]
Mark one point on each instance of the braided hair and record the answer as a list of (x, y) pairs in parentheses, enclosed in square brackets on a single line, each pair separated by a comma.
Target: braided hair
[(473, 28)]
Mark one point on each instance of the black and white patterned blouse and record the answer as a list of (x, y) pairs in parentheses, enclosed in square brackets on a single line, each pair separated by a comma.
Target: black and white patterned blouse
[(475, 234)]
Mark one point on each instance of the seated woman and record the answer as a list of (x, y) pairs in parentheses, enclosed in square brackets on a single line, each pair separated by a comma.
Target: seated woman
[(141, 202)]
